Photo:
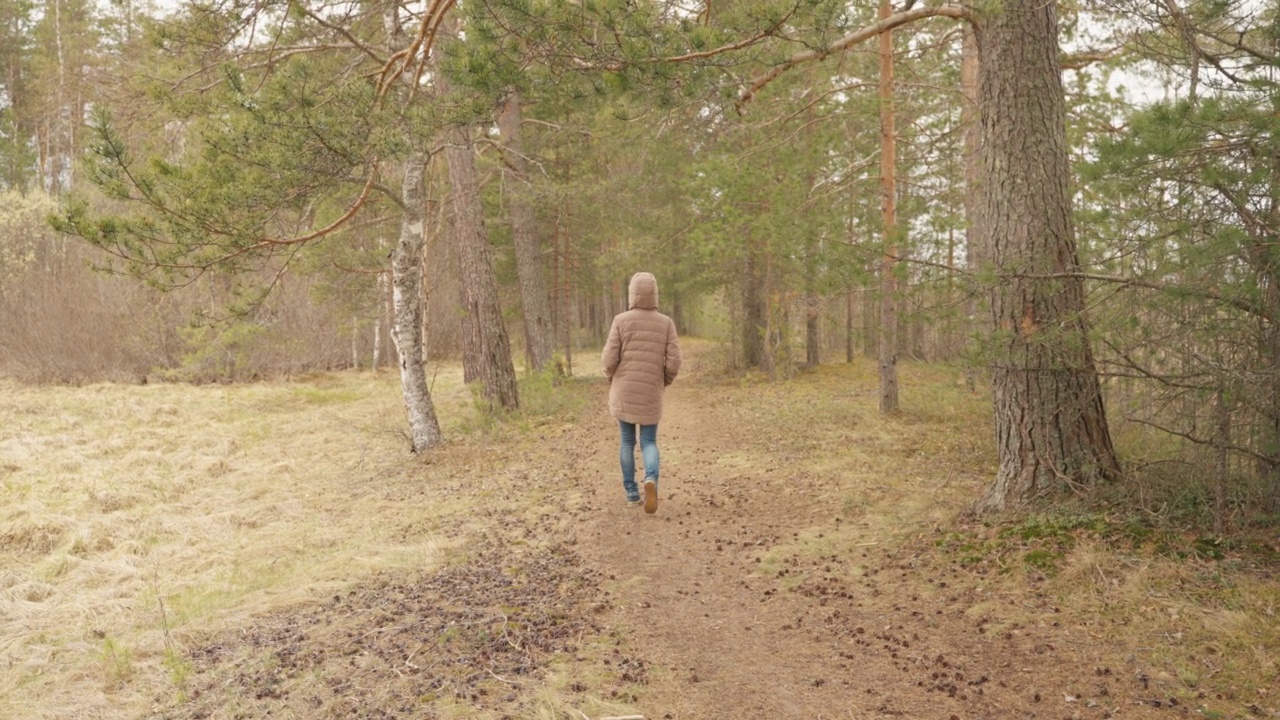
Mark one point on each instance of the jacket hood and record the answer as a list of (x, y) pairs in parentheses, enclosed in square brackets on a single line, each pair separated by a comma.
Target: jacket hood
[(643, 292)]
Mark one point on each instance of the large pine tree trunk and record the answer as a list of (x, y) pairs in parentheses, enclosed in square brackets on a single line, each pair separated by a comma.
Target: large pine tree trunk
[(1051, 429), (1268, 387), (1267, 262), (475, 260), (539, 332), (470, 334), (406, 290)]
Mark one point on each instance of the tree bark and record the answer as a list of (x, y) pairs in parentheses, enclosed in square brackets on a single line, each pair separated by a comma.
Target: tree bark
[(753, 312), (406, 290), (470, 329), (812, 305), (848, 326), (974, 255), (1051, 428), (870, 319), (539, 332), (375, 362), (480, 286), (1222, 444), (889, 209), (355, 343)]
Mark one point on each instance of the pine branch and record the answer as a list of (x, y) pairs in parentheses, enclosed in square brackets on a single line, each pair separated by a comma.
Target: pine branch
[(853, 38), (1081, 60), (1237, 303)]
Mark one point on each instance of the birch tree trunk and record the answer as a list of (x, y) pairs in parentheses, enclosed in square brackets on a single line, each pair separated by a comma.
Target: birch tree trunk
[(355, 343), (480, 286), (1051, 429), (539, 332), (375, 362), (406, 291)]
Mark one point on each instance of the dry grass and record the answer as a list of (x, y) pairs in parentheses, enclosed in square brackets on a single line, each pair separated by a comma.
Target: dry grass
[(140, 521), (1207, 628), (1202, 627), (886, 477), (140, 518)]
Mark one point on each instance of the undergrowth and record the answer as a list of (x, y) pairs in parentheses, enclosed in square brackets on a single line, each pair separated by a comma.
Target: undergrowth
[(1188, 595), (545, 398), (1041, 539)]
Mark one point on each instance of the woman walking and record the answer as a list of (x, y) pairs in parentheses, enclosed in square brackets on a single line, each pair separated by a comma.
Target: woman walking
[(641, 358)]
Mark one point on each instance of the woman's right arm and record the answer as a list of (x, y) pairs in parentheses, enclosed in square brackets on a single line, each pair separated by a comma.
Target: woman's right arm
[(612, 354)]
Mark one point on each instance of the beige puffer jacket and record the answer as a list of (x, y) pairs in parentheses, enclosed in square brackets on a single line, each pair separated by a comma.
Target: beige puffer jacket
[(642, 356)]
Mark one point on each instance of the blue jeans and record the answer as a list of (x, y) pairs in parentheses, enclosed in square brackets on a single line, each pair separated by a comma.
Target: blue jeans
[(648, 449)]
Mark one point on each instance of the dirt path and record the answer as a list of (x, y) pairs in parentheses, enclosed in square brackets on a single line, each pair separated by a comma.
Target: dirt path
[(792, 571), (721, 630)]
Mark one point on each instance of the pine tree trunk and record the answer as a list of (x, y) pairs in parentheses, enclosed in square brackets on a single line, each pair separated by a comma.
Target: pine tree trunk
[(1268, 434), (812, 306), (568, 309), (753, 312), (480, 286), (974, 256), (870, 321), (848, 326), (1051, 429), (539, 332), (1267, 262), (406, 290), (470, 333), (889, 209), (1222, 443)]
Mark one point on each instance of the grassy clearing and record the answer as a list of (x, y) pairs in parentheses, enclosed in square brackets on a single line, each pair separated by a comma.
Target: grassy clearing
[(139, 518), (883, 477)]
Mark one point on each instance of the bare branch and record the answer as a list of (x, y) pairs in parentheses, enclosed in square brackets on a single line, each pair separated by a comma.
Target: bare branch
[(344, 32), (1081, 60), (1237, 303), (331, 227), (1199, 440), (734, 46), (853, 38)]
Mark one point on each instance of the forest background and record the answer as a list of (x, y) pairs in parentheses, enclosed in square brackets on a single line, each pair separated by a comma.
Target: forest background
[(238, 192), (274, 189)]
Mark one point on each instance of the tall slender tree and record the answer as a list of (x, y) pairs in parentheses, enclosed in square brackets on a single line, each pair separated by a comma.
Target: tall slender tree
[(888, 355), (534, 298), (480, 287), (406, 288)]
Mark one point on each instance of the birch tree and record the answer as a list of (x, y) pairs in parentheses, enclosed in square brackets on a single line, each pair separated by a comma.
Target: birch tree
[(283, 143)]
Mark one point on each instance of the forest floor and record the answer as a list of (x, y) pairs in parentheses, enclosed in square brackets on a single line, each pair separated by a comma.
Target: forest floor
[(809, 559)]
